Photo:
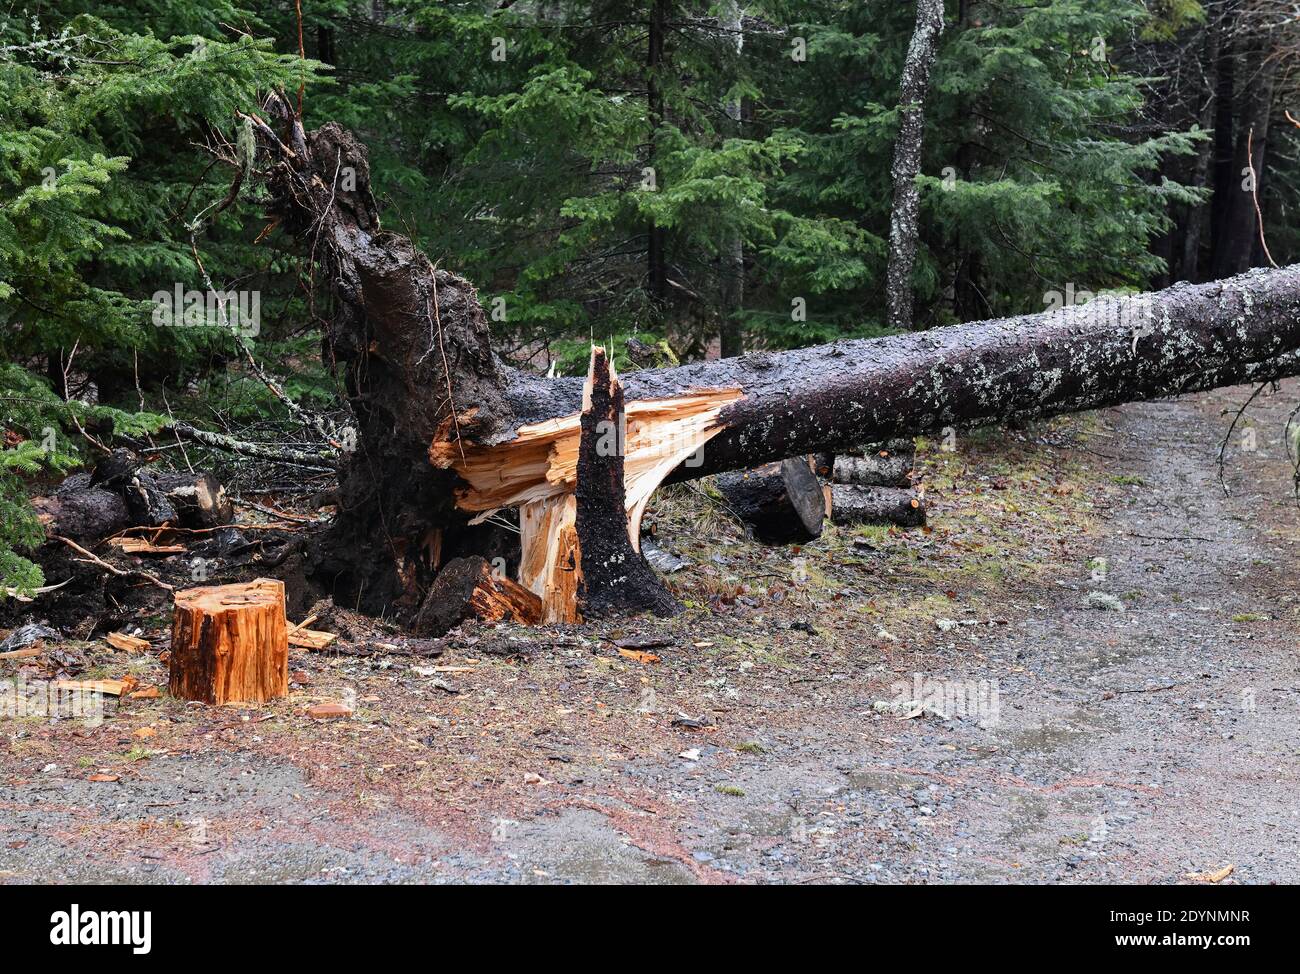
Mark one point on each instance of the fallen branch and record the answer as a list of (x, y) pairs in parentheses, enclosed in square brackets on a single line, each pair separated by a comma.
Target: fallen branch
[(111, 569)]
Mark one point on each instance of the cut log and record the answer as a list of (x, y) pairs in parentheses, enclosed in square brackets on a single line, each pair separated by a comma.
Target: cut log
[(780, 503), (468, 588), (412, 348), (229, 643), (854, 504), (879, 465)]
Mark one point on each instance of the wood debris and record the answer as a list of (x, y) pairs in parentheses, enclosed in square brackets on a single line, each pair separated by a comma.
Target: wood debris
[(126, 643)]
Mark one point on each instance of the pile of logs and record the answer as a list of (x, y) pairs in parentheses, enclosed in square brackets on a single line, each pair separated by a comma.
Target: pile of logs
[(787, 502)]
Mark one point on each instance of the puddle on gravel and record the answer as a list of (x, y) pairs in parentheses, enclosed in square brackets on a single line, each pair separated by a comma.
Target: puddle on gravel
[(1052, 737)]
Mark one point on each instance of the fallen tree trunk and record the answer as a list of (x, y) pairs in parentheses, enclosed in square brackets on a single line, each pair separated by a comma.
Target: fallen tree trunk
[(450, 434)]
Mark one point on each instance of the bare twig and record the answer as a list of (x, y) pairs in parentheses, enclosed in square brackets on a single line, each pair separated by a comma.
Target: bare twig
[(111, 569), (1254, 192)]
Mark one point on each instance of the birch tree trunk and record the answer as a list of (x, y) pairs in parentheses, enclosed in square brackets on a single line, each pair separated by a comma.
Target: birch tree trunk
[(733, 254), (907, 161)]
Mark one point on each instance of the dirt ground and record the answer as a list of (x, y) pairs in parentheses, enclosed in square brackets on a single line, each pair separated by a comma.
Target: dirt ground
[(1084, 671)]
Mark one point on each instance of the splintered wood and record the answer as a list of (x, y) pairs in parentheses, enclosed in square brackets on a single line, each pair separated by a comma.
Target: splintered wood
[(229, 643), (537, 472), (126, 643)]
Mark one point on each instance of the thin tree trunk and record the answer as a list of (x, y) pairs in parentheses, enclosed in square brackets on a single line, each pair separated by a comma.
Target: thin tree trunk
[(1226, 178), (733, 251), (903, 220), (1252, 143), (656, 260), (1194, 226)]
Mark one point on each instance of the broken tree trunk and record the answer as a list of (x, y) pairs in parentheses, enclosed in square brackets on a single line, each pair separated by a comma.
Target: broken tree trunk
[(612, 575), (580, 524), (780, 503), (230, 644), (412, 346), (854, 504)]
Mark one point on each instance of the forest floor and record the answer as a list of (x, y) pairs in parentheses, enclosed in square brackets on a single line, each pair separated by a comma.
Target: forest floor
[(1146, 734)]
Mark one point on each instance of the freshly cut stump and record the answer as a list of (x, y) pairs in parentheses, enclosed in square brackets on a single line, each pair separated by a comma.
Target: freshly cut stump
[(780, 503), (230, 644)]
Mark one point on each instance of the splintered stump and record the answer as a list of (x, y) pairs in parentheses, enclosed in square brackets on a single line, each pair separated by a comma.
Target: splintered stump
[(230, 644), (780, 503), (581, 483)]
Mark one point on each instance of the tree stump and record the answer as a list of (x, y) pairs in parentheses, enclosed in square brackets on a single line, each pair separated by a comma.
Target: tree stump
[(230, 643)]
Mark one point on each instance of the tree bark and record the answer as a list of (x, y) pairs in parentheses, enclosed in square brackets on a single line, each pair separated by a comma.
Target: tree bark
[(903, 219), (855, 504), (733, 249)]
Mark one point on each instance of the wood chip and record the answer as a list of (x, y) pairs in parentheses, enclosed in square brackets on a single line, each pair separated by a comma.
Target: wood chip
[(146, 693), (104, 777), (130, 644), (311, 638), (26, 653), (638, 656), (304, 624), (112, 688), (329, 711), (1217, 876), (139, 546)]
